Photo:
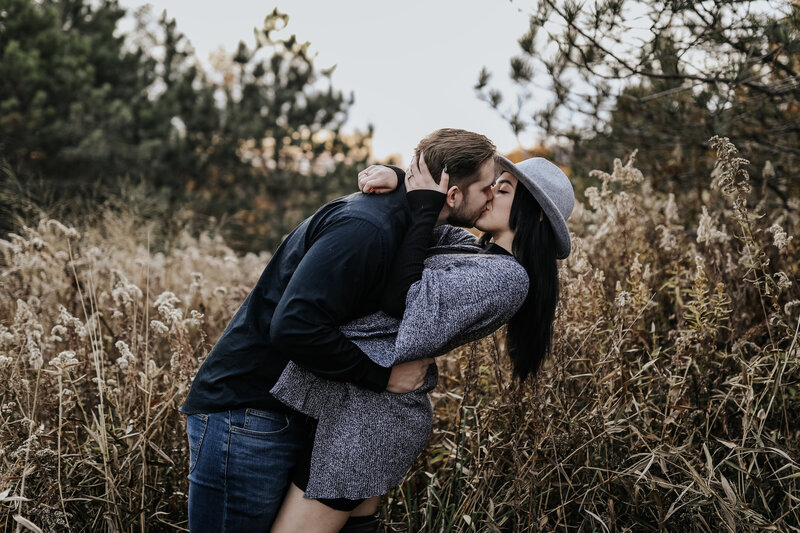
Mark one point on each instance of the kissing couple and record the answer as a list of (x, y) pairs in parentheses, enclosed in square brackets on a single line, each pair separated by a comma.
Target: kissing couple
[(314, 401)]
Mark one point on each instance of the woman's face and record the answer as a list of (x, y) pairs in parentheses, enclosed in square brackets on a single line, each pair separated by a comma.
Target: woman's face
[(495, 217)]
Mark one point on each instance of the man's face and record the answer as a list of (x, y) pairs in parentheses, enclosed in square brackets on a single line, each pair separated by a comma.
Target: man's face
[(474, 199)]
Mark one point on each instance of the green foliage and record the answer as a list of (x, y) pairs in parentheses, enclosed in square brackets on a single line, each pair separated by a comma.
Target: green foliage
[(65, 95), (85, 111), (664, 77)]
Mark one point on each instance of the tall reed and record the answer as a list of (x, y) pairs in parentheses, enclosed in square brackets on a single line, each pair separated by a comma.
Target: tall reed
[(670, 403)]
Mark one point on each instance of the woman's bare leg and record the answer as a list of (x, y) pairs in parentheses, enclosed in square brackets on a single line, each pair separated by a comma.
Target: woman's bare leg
[(367, 507), (301, 514)]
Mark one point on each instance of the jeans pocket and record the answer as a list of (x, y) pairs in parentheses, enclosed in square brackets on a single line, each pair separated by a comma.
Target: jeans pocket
[(258, 423), (196, 430)]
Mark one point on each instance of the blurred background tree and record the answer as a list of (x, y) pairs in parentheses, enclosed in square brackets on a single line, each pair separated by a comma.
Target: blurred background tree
[(89, 114), (663, 76)]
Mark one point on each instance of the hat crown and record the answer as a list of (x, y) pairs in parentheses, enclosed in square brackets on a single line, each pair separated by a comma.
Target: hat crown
[(552, 181)]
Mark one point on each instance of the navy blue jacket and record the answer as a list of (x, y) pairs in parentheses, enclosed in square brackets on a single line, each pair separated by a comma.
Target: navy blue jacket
[(331, 269)]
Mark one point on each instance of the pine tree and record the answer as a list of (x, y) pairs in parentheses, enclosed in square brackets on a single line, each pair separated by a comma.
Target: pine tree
[(84, 110), (663, 77)]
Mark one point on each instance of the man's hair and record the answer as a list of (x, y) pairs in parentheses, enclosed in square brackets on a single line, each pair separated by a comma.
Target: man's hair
[(462, 151)]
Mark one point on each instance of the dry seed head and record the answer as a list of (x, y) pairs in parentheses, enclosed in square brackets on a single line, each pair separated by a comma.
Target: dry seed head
[(707, 231), (30, 331), (64, 360), (70, 233), (782, 281), (6, 337), (66, 319), (779, 237), (57, 333), (195, 318), (623, 298), (127, 357), (599, 276), (593, 195), (668, 242), (625, 175), (701, 267), (636, 266), (580, 264), (158, 327), (165, 303), (7, 246), (124, 292), (728, 174)]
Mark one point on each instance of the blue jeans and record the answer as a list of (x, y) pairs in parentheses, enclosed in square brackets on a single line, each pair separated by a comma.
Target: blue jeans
[(239, 467)]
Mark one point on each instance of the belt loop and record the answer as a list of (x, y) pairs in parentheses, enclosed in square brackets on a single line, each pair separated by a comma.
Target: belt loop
[(234, 418)]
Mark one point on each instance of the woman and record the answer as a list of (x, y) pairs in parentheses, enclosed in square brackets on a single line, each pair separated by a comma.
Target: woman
[(365, 441)]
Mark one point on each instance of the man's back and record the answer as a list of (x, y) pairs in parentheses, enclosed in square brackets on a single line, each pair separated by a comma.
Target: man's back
[(332, 268)]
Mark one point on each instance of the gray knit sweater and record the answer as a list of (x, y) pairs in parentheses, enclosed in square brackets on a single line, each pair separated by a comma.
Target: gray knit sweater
[(366, 441)]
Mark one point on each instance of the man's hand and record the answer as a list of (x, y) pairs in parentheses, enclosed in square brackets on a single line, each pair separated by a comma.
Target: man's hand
[(409, 376), (377, 179)]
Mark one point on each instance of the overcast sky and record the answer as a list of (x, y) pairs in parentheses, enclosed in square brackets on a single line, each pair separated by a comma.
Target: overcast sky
[(412, 64)]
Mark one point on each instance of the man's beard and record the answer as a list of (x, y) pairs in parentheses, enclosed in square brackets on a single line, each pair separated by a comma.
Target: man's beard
[(462, 218)]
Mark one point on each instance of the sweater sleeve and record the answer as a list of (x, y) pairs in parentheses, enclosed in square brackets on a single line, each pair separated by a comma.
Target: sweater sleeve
[(461, 302), (410, 258), (401, 174), (447, 235)]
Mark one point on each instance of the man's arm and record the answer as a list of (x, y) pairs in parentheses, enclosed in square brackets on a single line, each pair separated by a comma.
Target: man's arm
[(331, 281)]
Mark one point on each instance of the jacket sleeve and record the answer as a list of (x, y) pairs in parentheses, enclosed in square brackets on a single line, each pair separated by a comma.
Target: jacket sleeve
[(324, 292), (459, 303)]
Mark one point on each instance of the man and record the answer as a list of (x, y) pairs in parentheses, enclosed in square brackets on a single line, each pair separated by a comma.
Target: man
[(331, 269)]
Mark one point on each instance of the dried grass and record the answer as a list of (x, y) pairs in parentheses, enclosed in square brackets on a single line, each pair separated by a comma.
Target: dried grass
[(671, 402)]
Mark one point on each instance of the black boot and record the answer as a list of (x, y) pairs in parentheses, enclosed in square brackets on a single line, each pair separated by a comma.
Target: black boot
[(361, 524)]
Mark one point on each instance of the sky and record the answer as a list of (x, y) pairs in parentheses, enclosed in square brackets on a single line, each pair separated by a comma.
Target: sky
[(411, 65)]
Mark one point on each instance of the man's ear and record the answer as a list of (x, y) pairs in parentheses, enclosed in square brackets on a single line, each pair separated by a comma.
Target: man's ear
[(453, 196)]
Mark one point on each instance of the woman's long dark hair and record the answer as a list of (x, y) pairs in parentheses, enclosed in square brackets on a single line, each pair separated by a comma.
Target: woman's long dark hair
[(530, 330)]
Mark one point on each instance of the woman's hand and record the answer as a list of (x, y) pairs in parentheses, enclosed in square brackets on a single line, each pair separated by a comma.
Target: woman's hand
[(377, 179), (419, 177)]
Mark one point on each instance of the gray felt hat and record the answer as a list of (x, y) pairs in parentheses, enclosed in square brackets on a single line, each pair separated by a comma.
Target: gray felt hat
[(552, 189)]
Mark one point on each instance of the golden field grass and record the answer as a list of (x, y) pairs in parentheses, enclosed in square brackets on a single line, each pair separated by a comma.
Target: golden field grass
[(671, 401)]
